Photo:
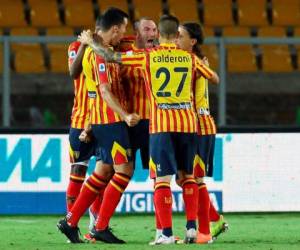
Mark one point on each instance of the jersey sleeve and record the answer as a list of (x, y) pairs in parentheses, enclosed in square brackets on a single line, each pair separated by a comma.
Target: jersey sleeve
[(101, 72), (72, 51), (205, 71), (134, 58)]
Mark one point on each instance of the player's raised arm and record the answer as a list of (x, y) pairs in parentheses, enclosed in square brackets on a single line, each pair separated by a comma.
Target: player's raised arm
[(206, 72), (106, 53), (75, 56), (137, 59)]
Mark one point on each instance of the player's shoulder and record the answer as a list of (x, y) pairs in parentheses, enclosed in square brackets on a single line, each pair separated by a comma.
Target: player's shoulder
[(74, 45)]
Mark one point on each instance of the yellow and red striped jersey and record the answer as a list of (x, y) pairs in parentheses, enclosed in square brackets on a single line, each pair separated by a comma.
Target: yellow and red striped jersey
[(80, 111), (170, 74), (134, 83), (98, 72), (207, 124)]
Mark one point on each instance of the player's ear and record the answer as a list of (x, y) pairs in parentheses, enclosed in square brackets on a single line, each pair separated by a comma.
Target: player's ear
[(193, 41), (177, 34)]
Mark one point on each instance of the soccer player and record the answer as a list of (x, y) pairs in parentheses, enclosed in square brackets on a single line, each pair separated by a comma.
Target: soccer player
[(111, 135), (169, 74), (132, 77), (190, 38), (80, 152)]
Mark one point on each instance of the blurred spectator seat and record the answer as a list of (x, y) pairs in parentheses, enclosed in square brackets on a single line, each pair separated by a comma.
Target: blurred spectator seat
[(185, 11), (79, 13), (12, 13), (236, 31), (30, 60), (241, 59), (152, 9), (208, 31), (44, 13), (58, 52), (286, 12), (276, 60), (252, 12), (28, 31), (105, 4), (28, 56), (217, 13)]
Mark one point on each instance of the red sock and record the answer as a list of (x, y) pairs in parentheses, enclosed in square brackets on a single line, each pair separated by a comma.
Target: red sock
[(111, 198), (95, 207), (157, 220), (73, 189), (163, 203), (190, 197), (213, 213), (203, 209), (88, 194)]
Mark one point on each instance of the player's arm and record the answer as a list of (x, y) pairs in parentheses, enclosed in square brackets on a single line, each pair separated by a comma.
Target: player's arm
[(108, 96), (75, 60), (129, 58), (205, 71)]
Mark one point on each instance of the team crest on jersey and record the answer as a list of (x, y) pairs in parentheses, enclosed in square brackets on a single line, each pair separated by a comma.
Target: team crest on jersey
[(72, 54), (129, 53), (102, 67)]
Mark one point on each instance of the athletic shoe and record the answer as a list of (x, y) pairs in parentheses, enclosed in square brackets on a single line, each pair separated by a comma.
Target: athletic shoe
[(72, 233), (88, 238), (219, 227), (157, 235), (165, 240), (190, 236), (204, 238), (105, 235), (93, 218)]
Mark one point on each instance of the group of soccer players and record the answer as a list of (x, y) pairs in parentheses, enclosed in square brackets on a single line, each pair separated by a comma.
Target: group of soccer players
[(130, 94)]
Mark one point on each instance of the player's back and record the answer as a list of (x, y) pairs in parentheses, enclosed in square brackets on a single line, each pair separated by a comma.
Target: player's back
[(170, 75)]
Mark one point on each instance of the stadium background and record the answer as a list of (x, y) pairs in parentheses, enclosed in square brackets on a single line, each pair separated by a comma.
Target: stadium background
[(254, 46)]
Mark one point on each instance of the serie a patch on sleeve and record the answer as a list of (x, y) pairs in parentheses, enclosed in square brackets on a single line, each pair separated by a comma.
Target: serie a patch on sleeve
[(102, 67), (72, 54)]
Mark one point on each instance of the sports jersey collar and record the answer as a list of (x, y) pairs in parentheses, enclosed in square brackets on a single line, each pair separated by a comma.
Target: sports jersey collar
[(168, 45)]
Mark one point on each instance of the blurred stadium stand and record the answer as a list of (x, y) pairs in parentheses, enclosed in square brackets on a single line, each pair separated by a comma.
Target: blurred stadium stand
[(251, 64)]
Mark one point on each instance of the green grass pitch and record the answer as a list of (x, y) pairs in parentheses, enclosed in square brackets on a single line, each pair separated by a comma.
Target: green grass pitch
[(247, 231)]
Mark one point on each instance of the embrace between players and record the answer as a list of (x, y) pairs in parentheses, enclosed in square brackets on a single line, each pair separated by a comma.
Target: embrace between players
[(130, 94)]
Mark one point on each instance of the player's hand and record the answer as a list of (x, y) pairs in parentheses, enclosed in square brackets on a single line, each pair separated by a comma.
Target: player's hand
[(86, 37), (132, 119), (205, 61), (85, 137)]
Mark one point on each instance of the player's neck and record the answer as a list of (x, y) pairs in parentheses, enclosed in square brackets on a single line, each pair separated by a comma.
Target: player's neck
[(106, 38), (167, 40)]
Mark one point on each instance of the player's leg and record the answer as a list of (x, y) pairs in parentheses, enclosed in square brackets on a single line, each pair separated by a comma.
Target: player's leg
[(200, 169), (116, 149), (90, 189), (162, 157), (80, 153), (185, 154)]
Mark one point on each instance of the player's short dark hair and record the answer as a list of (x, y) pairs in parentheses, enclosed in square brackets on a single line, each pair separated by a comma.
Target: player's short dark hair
[(112, 16), (168, 25), (195, 31)]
